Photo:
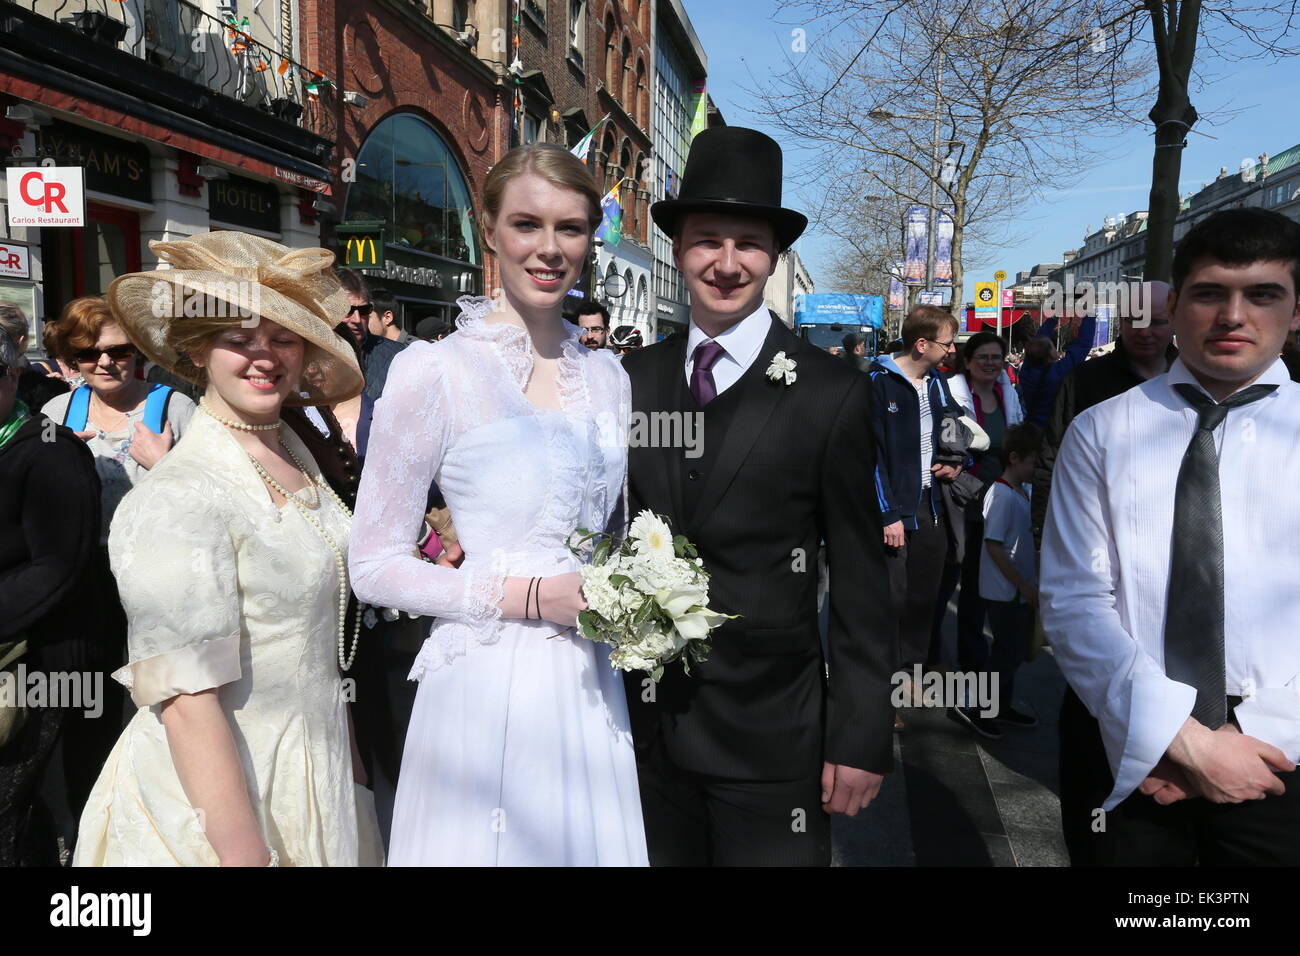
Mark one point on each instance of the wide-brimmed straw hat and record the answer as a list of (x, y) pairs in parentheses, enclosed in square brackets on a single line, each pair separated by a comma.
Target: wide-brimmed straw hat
[(241, 277)]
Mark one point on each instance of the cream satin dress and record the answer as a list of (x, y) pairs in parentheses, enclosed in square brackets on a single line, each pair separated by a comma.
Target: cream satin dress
[(224, 590)]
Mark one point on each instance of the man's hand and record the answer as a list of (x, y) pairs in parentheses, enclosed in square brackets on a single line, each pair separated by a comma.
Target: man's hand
[(894, 535), (1030, 593), (847, 790), (1167, 783), (451, 556), (147, 448), (1226, 766), (945, 472)]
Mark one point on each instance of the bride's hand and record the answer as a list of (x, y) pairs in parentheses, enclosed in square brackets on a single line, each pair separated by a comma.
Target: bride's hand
[(561, 598)]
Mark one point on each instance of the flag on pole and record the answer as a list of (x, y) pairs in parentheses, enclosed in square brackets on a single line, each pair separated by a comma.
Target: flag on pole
[(583, 146), (611, 222)]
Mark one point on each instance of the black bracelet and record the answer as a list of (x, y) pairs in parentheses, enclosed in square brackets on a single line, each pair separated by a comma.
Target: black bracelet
[(539, 599), (528, 598)]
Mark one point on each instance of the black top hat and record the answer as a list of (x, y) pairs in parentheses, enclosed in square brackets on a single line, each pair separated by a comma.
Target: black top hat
[(737, 171)]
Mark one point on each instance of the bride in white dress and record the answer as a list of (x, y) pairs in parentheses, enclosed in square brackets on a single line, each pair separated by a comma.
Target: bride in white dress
[(519, 750)]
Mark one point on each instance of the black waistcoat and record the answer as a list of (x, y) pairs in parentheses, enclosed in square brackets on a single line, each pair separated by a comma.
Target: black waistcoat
[(718, 415)]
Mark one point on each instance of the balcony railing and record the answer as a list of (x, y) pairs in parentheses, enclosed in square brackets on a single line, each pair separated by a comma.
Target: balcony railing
[(186, 41)]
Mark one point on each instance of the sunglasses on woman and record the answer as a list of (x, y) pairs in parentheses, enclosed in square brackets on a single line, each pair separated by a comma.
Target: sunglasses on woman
[(117, 353)]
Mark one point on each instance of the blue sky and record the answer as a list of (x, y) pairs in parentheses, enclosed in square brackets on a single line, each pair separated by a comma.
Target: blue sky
[(1250, 108)]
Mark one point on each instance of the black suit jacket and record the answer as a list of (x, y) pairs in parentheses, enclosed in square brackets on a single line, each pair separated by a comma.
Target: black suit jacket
[(794, 468)]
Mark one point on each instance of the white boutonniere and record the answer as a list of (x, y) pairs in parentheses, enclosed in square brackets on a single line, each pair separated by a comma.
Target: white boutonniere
[(782, 368)]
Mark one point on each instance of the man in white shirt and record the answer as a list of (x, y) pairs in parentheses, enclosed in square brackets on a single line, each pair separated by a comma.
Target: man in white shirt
[(1169, 570)]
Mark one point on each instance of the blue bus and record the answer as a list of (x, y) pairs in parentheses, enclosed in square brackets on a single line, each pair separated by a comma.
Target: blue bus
[(825, 318)]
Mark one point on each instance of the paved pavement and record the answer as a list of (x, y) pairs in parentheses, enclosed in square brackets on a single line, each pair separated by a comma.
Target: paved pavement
[(959, 800)]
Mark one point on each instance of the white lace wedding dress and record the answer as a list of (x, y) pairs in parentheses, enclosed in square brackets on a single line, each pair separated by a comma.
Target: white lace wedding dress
[(519, 750)]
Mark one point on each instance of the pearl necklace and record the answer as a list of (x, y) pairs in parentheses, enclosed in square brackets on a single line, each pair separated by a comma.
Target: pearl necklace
[(340, 562), (238, 426)]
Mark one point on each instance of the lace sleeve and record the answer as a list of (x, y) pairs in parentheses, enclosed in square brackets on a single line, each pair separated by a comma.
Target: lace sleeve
[(408, 438)]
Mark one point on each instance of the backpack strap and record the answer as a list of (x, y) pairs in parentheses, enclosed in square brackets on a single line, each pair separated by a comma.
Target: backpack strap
[(78, 410), (155, 407)]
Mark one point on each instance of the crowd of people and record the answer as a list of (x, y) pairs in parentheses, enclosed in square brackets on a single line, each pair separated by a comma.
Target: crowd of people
[(239, 518)]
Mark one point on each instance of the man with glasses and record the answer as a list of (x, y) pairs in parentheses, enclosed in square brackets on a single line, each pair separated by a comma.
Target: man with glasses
[(377, 353), (593, 319), (910, 399)]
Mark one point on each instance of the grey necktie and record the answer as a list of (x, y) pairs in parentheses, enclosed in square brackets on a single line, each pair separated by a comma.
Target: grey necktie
[(1194, 608)]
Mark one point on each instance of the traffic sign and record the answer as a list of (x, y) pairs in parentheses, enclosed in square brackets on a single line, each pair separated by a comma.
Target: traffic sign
[(1000, 276)]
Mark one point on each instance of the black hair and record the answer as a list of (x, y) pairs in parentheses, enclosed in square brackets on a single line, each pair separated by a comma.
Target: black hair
[(592, 307), (1023, 439), (1239, 237), (978, 341), (381, 300)]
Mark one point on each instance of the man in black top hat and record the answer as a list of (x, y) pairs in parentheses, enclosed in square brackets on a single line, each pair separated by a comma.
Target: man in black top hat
[(742, 761)]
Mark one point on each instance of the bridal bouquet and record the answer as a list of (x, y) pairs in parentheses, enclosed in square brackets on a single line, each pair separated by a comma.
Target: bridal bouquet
[(647, 596)]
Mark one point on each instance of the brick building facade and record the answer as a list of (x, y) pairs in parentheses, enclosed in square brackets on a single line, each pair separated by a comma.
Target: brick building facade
[(422, 116)]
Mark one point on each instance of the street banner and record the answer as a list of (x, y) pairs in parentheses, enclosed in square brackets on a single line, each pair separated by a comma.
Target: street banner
[(915, 246), (1102, 336), (943, 248), (896, 290), (934, 297), (699, 109)]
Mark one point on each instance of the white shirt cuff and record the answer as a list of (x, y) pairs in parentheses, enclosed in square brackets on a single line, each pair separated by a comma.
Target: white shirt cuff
[(1158, 708)]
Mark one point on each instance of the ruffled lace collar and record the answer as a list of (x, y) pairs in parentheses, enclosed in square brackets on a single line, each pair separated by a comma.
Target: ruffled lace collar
[(513, 345)]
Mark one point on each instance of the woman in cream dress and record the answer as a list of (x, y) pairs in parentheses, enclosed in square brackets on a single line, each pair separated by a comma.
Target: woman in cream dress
[(229, 560)]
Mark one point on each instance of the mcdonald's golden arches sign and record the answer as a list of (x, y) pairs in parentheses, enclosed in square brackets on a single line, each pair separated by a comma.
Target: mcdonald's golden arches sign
[(361, 244)]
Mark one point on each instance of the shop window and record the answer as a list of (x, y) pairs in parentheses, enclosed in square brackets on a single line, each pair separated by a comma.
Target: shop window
[(408, 178), (84, 261)]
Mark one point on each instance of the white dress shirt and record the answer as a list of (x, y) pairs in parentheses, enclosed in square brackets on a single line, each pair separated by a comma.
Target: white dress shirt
[(740, 346), (1106, 557)]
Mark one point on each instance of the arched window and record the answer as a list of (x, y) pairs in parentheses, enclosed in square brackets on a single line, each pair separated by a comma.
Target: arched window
[(625, 90), (640, 106), (643, 301), (608, 159), (611, 54), (626, 193), (408, 177)]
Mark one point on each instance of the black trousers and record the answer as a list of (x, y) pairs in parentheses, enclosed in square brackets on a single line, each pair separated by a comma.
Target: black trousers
[(915, 572), (696, 820), (1140, 832)]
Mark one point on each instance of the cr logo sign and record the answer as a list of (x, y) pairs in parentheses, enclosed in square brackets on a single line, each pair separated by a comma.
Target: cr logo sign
[(46, 196), (40, 194)]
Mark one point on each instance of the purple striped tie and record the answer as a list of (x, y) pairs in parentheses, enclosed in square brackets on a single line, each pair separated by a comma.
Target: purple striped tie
[(702, 386)]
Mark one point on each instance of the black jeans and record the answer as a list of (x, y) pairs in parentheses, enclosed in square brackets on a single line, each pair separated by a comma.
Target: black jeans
[(915, 571)]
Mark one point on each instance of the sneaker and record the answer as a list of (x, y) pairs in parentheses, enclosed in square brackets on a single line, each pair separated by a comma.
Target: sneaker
[(1015, 718), (973, 721)]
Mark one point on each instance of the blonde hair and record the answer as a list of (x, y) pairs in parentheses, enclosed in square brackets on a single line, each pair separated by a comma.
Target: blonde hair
[(553, 163), (190, 336)]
